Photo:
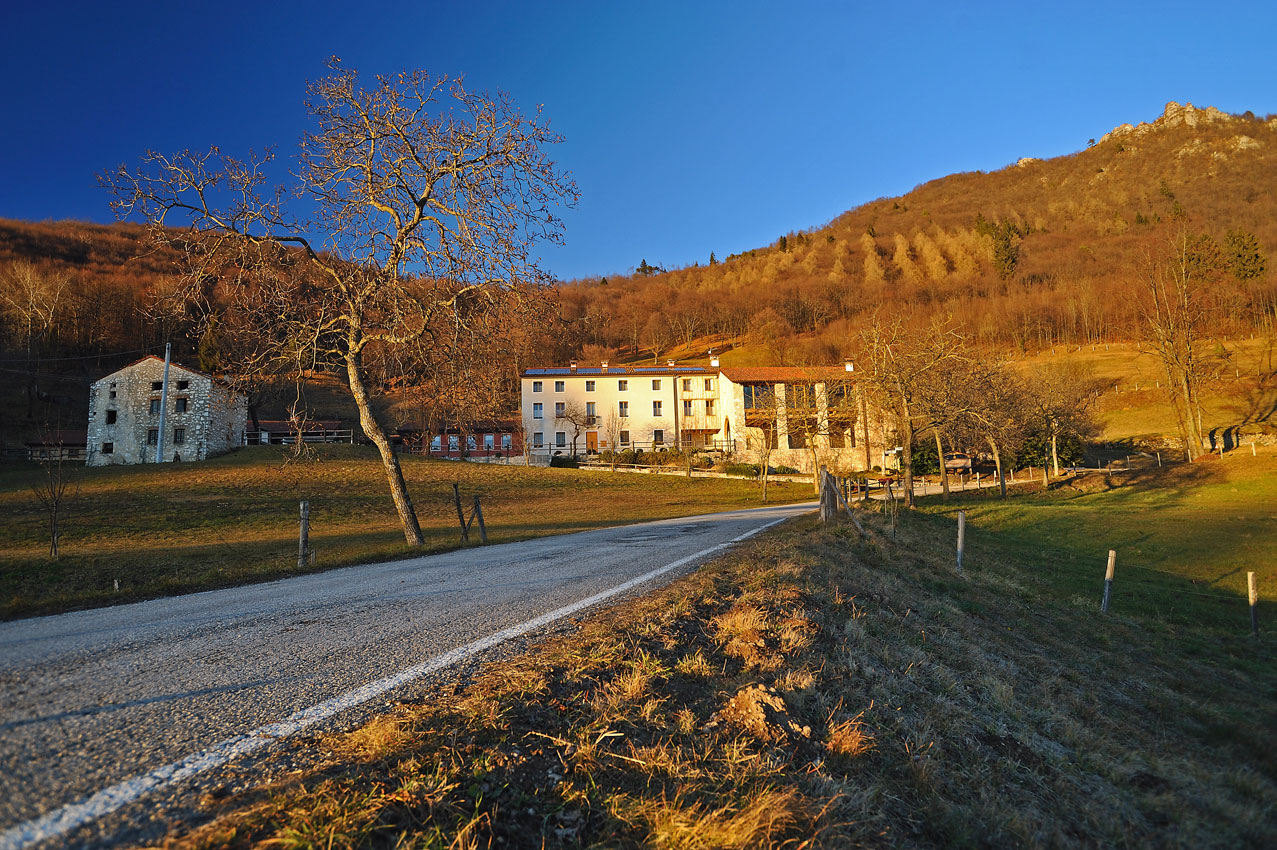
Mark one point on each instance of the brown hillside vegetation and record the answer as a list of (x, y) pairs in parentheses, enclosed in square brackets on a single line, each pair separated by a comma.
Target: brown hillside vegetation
[(1037, 253)]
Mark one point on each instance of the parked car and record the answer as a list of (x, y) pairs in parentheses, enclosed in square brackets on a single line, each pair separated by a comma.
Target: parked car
[(957, 462)]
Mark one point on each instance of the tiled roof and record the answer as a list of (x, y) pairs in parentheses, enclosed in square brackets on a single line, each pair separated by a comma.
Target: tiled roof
[(595, 371), (68, 437), (786, 374)]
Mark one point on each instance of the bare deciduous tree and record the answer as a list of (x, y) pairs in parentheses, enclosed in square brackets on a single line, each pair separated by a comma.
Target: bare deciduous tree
[(903, 371), (1174, 313), (427, 199), (57, 487)]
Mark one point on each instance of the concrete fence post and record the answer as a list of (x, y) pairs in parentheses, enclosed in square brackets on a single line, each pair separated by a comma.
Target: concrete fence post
[(962, 535), (303, 537), (1108, 580)]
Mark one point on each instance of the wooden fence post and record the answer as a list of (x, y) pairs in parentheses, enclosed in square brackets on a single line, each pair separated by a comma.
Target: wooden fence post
[(1108, 580), (303, 537), (962, 535), (461, 517), (478, 513), (824, 495), (1252, 593), (1252, 449)]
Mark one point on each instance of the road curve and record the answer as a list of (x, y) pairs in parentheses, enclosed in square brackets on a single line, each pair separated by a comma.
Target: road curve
[(100, 708)]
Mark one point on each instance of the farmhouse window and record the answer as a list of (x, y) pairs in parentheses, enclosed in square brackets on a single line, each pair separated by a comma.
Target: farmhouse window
[(589, 411), (536, 386), (656, 383), (538, 439), (589, 386), (155, 407), (687, 407), (436, 443), (558, 386), (505, 442), (454, 443), (152, 436), (623, 409), (622, 385), (157, 385), (110, 416), (179, 436), (471, 445), (656, 408), (181, 385), (624, 437), (687, 385), (559, 409), (709, 407), (180, 405), (560, 439), (658, 437), (709, 385), (536, 410), (489, 442), (108, 448)]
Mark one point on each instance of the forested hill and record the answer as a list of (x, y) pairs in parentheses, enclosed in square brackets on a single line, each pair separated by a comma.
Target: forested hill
[(1039, 252)]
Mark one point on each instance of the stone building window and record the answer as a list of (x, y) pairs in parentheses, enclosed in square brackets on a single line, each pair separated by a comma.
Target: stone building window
[(157, 385), (152, 436), (181, 385), (179, 405), (155, 407), (111, 393), (179, 436), (110, 416), (108, 448)]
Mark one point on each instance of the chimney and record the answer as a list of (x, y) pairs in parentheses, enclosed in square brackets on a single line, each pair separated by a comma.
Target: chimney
[(572, 365), (850, 367), (713, 361), (603, 365), (669, 363)]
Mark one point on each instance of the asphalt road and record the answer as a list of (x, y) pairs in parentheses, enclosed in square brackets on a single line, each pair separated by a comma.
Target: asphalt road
[(101, 709)]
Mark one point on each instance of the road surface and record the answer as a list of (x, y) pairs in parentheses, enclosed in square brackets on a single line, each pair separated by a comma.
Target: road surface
[(103, 709)]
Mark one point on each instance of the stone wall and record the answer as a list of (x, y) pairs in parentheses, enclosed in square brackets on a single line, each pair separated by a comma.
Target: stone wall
[(204, 417)]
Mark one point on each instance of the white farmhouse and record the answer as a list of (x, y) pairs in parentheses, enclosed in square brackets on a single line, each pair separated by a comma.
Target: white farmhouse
[(808, 415), (205, 417)]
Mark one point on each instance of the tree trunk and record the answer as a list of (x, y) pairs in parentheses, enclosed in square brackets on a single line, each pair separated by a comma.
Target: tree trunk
[(864, 418), (390, 460), (1055, 453), (906, 463), (944, 472), (997, 461)]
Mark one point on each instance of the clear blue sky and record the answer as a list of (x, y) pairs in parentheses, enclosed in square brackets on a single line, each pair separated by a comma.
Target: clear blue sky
[(691, 127)]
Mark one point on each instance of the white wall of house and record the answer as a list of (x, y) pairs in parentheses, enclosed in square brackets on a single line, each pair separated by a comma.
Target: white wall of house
[(705, 406), (204, 418)]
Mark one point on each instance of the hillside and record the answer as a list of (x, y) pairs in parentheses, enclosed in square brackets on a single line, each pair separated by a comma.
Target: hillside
[(1038, 253)]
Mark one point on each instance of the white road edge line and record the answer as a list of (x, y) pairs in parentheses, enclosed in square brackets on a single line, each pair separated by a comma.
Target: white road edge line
[(63, 820)]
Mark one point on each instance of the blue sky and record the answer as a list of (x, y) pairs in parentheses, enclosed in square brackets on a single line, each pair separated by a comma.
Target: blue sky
[(690, 127)]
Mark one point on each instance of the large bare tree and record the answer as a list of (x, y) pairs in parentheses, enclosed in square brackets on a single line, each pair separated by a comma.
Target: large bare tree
[(424, 201)]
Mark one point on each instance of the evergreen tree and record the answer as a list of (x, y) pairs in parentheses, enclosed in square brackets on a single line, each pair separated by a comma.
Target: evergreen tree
[(1242, 254)]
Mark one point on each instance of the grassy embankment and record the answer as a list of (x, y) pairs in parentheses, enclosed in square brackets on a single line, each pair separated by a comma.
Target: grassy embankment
[(815, 690), (194, 526)]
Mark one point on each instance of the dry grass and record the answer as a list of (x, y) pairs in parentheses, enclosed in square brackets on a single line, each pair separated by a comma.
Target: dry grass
[(159, 531), (813, 690)]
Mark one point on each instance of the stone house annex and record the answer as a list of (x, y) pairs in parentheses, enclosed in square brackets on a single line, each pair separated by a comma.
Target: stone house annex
[(806, 414), (205, 417)]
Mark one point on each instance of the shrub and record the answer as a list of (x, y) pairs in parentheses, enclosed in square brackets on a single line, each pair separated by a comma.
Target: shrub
[(565, 462), (742, 470)]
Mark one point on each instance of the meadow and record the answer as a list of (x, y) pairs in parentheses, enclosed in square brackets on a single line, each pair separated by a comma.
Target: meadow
[(176, 528), (818, 689)]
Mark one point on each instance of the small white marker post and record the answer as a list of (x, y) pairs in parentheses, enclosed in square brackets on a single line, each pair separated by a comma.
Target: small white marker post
[(1108, 581), (1159, 460), (962, 535), (1252, 593), (1252, 449)]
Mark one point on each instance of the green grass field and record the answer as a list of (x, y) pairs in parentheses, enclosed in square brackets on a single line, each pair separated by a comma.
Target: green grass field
[(185, 527), (1185, 536)]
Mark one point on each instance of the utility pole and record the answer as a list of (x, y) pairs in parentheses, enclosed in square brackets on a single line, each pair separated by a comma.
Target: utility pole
[(159, 442)]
